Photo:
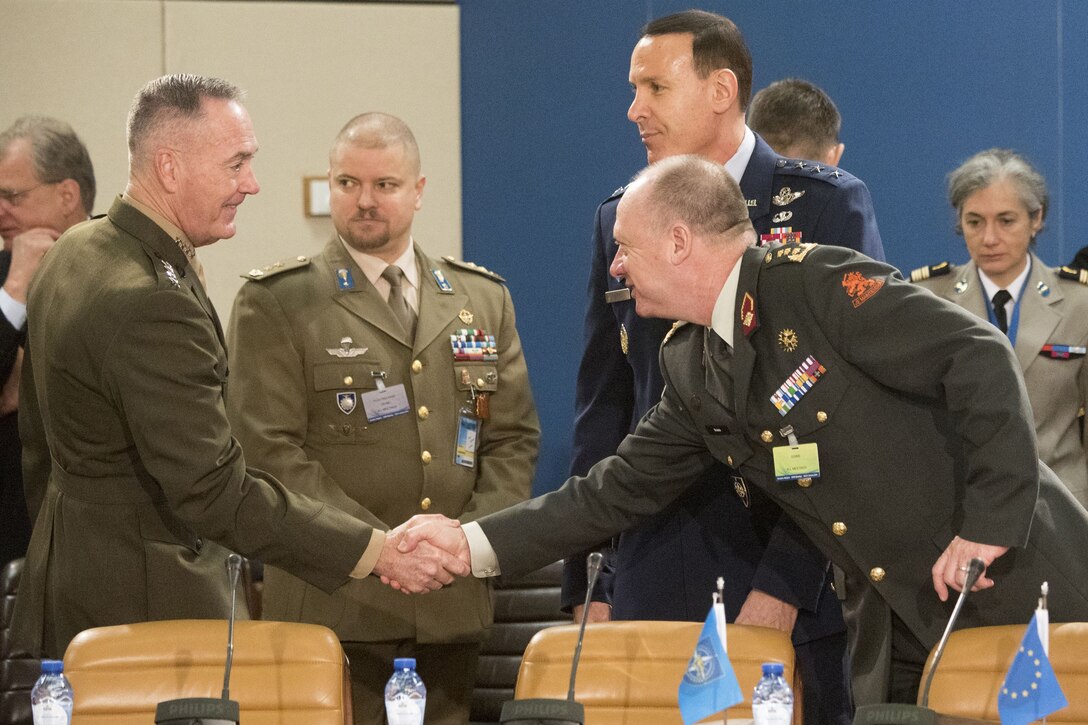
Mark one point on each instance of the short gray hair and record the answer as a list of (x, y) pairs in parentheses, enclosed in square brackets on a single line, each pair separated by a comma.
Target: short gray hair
[(172, 99), (697, 191), (57, 153), (990, 166)]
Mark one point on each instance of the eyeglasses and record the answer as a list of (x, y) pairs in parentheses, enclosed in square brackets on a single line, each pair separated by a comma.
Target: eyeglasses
[(15, 198)]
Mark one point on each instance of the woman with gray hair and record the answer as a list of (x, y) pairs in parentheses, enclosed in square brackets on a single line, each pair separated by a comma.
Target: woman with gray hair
[(1001, 203)]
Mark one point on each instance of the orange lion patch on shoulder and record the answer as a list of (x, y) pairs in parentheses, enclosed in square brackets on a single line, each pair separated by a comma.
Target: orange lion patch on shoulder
[(859, 287)]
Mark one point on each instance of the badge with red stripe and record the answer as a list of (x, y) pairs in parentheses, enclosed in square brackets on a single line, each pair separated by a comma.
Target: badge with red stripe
[(748, 319), (1063, 352)]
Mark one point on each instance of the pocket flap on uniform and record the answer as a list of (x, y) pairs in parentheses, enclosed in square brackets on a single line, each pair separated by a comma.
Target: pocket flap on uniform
[(482, 376), (338, 375)]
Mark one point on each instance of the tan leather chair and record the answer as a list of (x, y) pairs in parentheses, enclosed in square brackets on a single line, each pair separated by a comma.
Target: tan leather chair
[(283, 672), (974, 664), (630, 671)]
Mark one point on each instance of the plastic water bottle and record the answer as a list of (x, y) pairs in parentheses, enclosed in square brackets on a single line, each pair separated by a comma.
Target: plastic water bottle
[(51, 697), (405, 695), (772, 703)]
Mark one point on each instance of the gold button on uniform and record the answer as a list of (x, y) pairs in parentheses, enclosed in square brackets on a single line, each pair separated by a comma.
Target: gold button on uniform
[(821, 417), (767, 436), (348, 380), (423, 412), (729, 460), (876, 574), (804, 482), (425, 456), (479, 382), (838, 528), (425, 504), (417, 366)]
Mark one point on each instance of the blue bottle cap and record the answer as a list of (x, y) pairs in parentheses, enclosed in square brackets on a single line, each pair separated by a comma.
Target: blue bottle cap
[(52, 667), (401, 663), (773, 668)]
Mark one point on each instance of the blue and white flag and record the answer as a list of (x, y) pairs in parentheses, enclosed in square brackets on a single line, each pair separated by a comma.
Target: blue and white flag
[(709, 685), (1031, 690)]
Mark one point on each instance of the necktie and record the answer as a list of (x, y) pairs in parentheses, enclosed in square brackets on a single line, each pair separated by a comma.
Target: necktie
[(719, 364), (1000, 298), (394, 275)]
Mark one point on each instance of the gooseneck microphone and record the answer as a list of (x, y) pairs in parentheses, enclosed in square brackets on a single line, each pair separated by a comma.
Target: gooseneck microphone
[(234, 568), (593, 570), (974, 571), (209, 710), (549, 711), (889, 714)]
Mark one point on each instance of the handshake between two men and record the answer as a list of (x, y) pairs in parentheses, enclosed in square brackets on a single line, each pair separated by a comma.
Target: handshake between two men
[(423, 554)]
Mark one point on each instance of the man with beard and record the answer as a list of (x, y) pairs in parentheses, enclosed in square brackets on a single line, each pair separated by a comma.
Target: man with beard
[(387, 384)]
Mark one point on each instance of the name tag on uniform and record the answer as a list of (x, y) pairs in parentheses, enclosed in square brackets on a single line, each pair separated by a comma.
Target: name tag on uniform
[(793, 462), (468, 427), (385, 403)]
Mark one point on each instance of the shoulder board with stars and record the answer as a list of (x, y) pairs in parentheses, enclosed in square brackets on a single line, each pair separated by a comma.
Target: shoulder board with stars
[(934, 270), (472, 267), (1077, 275), (811, 170), (616, 194), (275, 268), (787, 253), (675, 326)]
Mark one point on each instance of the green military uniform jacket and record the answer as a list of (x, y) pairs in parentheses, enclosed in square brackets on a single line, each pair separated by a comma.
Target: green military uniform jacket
[(308, 340), (1053, 312), (923, 432), (146, 482)]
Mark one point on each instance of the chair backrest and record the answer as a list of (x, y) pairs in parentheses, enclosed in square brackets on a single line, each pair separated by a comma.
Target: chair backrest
[(975, 661), (18, 671), (630, 671), (523, 607), (283, 672)]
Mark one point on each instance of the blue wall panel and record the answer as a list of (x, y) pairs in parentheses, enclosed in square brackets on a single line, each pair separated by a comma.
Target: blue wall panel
[(921, 86)]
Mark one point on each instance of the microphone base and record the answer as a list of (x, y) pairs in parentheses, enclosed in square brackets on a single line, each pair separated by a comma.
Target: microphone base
[(543, 711), (893, 714), (197, 711)]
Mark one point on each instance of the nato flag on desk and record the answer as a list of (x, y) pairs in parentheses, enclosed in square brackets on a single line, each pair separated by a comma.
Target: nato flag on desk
[(1031, 690), (709, 685)]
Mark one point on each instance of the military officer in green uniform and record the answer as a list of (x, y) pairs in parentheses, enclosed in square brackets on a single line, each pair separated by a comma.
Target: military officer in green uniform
[(143, 489), (386, 383), (891, 425)]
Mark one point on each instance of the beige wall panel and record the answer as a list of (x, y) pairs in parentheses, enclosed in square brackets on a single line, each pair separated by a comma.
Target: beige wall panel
[(307, 69), (81, 62)]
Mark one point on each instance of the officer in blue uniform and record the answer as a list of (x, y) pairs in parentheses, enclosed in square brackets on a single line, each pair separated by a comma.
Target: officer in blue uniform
[(666, 567)]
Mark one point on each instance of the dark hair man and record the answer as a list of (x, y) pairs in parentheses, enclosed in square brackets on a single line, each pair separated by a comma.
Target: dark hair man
[(799, 121), (692, 76), (146, 484)]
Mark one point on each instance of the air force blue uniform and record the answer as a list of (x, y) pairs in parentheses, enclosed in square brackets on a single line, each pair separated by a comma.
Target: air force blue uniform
[(666, 567)]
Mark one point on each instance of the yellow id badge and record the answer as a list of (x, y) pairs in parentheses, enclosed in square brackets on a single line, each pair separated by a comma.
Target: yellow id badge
[(793, 462)]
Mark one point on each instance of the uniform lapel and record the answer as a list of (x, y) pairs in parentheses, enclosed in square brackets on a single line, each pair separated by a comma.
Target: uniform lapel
[(361, 299), (436, 309), (758, 181), (1039, 316), (161, 246), (968, 293), (744, 354)]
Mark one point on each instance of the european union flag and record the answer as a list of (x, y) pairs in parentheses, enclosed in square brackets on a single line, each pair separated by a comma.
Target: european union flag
[(709, 685), (1031, 690)]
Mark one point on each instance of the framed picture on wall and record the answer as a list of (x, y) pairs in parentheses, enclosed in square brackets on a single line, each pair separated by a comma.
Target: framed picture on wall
[(315, 196)]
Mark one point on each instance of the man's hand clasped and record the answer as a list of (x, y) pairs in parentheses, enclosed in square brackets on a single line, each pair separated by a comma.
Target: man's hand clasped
[(424, 554)]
